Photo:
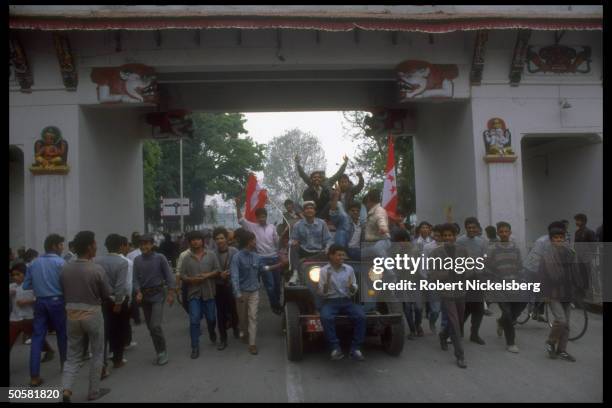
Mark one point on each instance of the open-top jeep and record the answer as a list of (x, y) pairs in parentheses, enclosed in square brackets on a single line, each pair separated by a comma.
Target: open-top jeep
[(301, 321)]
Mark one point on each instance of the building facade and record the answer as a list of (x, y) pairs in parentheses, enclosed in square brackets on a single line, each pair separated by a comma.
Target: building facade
[(504, 102)]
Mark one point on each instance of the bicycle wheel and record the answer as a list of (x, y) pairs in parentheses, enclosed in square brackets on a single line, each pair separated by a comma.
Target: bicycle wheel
[(579, 319), (525, 315)]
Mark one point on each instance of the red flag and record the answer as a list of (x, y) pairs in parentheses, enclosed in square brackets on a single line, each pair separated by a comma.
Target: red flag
[(389, 196), (256, 197)]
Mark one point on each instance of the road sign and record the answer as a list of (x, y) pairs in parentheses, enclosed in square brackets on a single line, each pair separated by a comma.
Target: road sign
[(171, 207)]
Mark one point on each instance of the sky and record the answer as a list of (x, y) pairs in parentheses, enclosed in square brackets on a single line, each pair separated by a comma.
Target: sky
[(325, 126)]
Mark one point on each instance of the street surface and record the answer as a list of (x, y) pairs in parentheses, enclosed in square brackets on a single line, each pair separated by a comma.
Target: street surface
[(423, 373)]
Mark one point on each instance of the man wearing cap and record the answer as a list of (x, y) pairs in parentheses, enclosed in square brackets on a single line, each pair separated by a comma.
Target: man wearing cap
[(151, 273), (199, 271)]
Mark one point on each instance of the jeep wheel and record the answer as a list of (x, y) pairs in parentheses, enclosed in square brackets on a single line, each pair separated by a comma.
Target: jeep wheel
[(293, 332), (393, 339)]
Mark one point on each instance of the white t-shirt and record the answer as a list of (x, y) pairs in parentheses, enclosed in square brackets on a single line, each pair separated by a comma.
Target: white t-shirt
[(20, 313), (132, 255), (130, 275)]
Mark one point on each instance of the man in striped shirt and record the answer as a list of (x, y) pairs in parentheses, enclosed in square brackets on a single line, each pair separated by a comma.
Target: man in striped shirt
[(504, 263)]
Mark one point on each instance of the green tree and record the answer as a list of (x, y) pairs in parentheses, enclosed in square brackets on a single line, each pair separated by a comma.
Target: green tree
[(280, 174), (151, 159), (215, 160), (371, 157)]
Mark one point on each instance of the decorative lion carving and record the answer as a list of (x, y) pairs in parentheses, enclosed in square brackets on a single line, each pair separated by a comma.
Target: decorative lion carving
[(130, 83), (421, 79)]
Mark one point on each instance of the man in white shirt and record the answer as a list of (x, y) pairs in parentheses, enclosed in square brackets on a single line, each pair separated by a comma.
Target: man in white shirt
[(376, 227), (267, 248), (134, 307), (123, 251)]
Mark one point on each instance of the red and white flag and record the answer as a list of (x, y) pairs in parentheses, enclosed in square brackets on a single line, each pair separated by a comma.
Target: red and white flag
[(389, 196), (256, 197)]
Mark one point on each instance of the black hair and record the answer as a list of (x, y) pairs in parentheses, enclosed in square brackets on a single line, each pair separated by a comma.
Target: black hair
[(21, 267), (344, 176), (30, 255), (335, 248), (581, 217), (437, 228), (113, 243), (471, 220), (287, 202), (123, 241), (401, 236), (556, 231), (503, 224), (193, 235), (260, 211), (457, 228), (556, 225), (448, 227), (423, 223), (219, 230), (135, 238), (244, 238), (354, 204), (82, 241), (51, 241), (372, 196)]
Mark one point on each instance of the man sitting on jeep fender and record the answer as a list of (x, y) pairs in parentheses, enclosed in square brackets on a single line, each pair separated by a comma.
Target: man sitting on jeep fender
[(337, 284)]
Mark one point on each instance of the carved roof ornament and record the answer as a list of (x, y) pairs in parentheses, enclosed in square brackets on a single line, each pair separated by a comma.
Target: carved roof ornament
[(519, 57), (478, 59), (559, 59), (66, 61), (18, 58)]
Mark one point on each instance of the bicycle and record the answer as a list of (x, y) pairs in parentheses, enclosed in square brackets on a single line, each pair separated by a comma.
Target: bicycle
[(579, 317)]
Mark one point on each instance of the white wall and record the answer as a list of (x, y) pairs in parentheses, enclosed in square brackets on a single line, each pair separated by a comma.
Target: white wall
[(573, 185), (110, 160), (25, 126), (444, 162)]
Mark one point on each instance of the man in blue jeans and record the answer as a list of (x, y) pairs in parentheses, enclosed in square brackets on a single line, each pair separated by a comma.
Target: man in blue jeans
[(43, 276), (337, 285), (199, 271)]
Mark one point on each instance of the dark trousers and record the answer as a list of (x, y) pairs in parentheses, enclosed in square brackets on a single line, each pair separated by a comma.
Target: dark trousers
[(25, 327), (414, 315), (135, 309), (226, 310), (185, 296), (116, 326), (271, 281), (153, 314), (198, 309), (454, 311), (332, 308), (510, 311), (476, 310), (47, 311)]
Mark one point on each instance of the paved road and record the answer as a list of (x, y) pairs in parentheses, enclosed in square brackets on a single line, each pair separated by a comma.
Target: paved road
[(423, 373)]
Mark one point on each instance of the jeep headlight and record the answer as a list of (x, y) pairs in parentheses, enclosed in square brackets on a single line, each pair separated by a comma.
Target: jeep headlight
[(314, 273), (373, 275)]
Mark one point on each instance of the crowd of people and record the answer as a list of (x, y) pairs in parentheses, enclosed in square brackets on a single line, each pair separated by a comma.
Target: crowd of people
[(91, 300)]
